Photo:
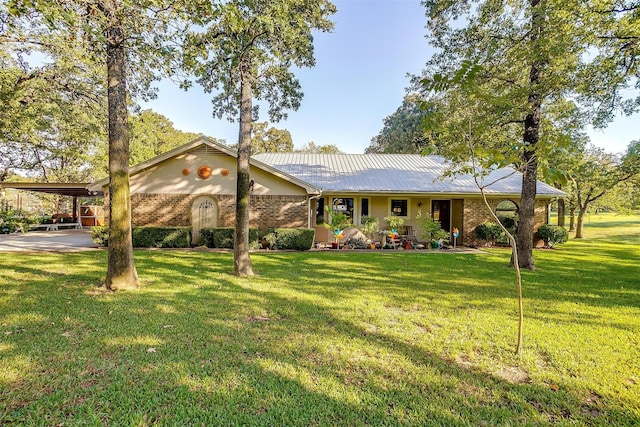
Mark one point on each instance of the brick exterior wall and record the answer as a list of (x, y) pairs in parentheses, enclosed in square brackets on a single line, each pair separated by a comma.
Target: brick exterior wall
[(475, 213), (278, 211), (175, 210)]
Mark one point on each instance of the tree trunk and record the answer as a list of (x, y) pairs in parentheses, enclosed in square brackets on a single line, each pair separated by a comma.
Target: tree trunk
[(121, 270), (561, 210), (530, 138), (241, 258), (579, 227), (572, 218)]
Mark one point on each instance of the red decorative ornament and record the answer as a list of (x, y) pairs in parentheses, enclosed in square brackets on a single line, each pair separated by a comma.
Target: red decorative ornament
[(204, 172), (224, 172), (185, 171)]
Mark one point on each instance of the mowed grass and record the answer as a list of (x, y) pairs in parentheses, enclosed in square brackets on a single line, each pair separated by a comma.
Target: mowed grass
[(332, 338)]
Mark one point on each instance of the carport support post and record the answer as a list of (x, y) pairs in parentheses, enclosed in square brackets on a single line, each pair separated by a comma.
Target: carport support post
[(76, 210)]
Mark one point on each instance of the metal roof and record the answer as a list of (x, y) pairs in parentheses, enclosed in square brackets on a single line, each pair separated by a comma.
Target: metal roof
[(382, 173), (65, 189)]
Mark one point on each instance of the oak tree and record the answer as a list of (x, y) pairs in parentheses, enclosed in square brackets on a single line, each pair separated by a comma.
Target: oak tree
[(132, 42), (246, 50), (525, 59)]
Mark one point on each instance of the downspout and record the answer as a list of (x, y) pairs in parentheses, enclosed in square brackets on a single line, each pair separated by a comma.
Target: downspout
[(309, 208)]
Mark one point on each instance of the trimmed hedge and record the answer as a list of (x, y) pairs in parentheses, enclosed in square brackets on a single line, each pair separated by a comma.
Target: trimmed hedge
[(149, 237), (223, 237), (553, 234), (299, 239)]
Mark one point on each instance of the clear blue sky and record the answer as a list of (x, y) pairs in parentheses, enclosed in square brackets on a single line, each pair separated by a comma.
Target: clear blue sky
[(359, 79)]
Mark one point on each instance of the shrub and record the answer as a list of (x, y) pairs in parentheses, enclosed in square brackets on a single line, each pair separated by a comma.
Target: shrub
[(100, 235), (488, 231), (223, 237), (218, 237), (299, 239), (553, 234), (12, 221), (268, 241), (161, 237), (148, 237)]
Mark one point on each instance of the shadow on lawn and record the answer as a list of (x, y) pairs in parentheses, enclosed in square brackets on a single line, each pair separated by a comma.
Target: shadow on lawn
[(198, 346)]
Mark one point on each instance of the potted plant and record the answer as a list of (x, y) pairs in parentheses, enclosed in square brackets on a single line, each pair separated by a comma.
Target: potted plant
[(394, 222), (432, 230), (370, 226), (338, 221)]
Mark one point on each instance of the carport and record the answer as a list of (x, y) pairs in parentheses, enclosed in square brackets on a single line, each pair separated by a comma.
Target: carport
[(74, 190)]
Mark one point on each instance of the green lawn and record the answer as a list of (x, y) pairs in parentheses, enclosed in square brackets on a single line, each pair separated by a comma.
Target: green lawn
[(331, 338)]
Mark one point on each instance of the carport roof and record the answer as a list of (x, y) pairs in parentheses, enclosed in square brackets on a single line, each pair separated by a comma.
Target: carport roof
[(64, 189)]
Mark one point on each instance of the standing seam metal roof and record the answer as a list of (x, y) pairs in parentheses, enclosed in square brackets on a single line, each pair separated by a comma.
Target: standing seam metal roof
[(391, 173)]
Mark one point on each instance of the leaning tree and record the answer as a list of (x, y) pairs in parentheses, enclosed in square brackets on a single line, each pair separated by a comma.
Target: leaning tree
[(525, 58)]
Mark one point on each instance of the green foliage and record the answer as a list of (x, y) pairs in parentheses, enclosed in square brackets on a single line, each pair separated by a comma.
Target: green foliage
[(223, 237), (267, 38), (148, 237), (431, 229), (270, 140), (553, 234), (488, 231), (394, 222), (13, 220), (597, 174), (337, 220), (312, 147), (100, 235), (299, 239), (403, 131), (151, 134), (269, 240), (370, 225), (161, 237), (279, 238)]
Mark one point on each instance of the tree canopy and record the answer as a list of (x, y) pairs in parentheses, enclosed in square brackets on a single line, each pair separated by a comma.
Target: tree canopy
[(312, 147), (403, 130)]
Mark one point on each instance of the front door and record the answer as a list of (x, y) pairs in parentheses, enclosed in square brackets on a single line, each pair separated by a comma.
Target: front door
[(441, 211), (204, 214)]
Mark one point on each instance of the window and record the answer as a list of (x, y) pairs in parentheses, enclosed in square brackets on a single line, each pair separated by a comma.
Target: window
[(343, 205), (364, 207), (399, 207), (507, 213)]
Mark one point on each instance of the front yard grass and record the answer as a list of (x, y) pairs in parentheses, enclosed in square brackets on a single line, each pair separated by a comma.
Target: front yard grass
[(333, 338)]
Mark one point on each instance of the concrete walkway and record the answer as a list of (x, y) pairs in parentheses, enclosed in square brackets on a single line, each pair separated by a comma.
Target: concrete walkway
[(48, 241)]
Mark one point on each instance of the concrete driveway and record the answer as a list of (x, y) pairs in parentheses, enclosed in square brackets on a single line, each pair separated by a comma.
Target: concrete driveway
[(48, 241)]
